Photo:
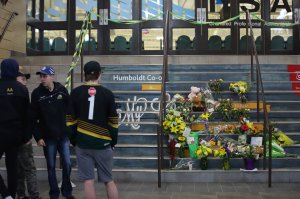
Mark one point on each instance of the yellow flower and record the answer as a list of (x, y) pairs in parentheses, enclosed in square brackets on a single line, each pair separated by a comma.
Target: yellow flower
[(242, 89), (216, 153), (209, 150), (181, 138), (205, 116), (174, 129)]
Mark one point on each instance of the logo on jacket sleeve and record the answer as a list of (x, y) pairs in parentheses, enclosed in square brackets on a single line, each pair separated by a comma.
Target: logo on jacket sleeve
[(59, 97), (9, 91)]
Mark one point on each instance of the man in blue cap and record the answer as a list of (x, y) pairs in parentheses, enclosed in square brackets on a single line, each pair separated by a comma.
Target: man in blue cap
[(14, 106), (48, 105)]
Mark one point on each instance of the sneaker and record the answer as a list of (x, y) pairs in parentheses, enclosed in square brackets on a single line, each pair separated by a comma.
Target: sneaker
[(72, 184)]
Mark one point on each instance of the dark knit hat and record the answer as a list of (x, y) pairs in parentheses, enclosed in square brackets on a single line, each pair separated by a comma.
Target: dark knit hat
[(92, 67), (9, 68)]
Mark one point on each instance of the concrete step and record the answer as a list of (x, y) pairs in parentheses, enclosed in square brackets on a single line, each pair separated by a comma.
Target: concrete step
[(213, 175)]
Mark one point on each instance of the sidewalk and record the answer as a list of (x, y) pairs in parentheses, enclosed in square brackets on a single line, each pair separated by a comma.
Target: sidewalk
[(145, 190)]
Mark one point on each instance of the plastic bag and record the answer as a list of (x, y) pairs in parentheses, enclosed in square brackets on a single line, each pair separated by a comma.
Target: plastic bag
[(192, 141)]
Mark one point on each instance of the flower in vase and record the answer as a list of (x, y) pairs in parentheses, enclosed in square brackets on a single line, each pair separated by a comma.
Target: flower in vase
[(203, 151), (224, 153)]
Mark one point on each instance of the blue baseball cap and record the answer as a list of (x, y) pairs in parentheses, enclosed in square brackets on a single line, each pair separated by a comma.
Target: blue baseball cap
[(46, 70)]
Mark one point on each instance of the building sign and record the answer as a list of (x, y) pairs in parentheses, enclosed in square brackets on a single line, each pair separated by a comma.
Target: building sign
[(135, 77), (294, 71), (283, 4), (236, 23)]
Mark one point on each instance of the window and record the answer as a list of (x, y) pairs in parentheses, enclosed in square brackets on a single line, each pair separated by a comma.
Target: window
[(282, 11), (120, 39), (152, 8), (121, 10), (37, 9), (92, 40), (254, 7), (183, 38), (57, 39), (218, 9), (29, 8), (86, 5), (152, 39), (281, 39), (55, 10), (183, 8)]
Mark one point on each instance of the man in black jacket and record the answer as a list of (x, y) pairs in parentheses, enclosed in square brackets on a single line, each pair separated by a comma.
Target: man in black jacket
[(48, 104), (14, 105)]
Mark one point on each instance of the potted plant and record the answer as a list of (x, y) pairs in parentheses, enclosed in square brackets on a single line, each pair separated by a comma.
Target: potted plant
[(249, 156)]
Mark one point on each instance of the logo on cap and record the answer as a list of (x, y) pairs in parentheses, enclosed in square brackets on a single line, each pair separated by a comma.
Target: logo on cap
[(46, 70)]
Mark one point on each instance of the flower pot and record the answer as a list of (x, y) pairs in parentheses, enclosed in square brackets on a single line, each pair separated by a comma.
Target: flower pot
[(226, 164), (249, 163), (203, 163)]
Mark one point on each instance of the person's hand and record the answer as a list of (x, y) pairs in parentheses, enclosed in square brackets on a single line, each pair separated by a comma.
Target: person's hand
[(41, 142)]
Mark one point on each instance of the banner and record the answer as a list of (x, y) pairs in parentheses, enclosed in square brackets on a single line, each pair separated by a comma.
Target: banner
[(294, 71)]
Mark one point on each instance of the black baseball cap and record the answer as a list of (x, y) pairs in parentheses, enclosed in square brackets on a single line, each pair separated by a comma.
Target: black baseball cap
[(22, 73), (92, 67), (27, 75)]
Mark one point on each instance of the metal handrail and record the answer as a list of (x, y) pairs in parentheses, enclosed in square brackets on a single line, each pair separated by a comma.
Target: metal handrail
[(12, 15), (260, 87), (162, 108)]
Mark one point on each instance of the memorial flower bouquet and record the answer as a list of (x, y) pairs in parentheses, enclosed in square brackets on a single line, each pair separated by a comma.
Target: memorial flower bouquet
[(215, 85), (224, 153), (202, 152), (241, 88), (174, 124)]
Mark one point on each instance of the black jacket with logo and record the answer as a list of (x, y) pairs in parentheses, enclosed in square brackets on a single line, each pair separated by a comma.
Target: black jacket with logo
[(48, 111), (14, 109)]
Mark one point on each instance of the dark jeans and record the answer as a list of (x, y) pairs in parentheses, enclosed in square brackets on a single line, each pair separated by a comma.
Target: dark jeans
[(50, 150), (11, 167)]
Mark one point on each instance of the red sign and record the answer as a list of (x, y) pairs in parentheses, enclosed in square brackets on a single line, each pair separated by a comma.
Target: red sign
[(295, 77), (92, 91)]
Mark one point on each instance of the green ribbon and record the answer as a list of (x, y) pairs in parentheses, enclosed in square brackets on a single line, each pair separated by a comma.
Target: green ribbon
[(272, 24), (86, 25), (205, 22)]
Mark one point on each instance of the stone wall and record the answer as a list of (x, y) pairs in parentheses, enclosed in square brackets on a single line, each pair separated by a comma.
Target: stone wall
[(14, 39)]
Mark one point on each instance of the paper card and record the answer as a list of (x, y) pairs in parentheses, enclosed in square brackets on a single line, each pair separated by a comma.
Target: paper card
[(190, 140), (186, 132), (256, 141), (242, 139), (178, 145)]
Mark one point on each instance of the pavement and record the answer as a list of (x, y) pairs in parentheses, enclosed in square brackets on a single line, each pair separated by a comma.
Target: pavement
[(149, 190)]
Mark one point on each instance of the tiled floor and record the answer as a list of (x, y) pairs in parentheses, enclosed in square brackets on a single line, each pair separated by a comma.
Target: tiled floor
[(146, 190)]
